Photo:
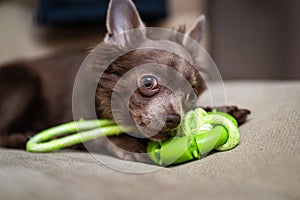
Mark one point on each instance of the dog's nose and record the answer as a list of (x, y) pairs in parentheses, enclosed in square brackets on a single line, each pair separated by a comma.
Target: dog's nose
[(172, 120)]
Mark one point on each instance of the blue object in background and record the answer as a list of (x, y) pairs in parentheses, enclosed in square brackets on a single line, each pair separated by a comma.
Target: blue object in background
[(73, 12)]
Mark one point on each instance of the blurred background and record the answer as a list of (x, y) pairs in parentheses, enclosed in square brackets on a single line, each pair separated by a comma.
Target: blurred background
[(248, 39)]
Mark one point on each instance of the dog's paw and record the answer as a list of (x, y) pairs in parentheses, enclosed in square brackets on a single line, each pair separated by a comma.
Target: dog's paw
[(240, 114), (18, 140)]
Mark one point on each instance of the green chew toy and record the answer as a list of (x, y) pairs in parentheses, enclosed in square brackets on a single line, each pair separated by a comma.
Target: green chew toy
[(199, 133)]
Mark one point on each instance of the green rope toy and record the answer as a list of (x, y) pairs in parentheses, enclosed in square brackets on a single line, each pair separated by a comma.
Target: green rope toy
[(199, 133)]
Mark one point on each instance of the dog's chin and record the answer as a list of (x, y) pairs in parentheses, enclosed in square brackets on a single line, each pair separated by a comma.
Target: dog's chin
[(155, 135), (160, 136)]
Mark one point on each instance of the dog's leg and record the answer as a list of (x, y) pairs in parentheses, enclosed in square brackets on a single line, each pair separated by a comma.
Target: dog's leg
[(17, 88), (239, 114), (124, 147)]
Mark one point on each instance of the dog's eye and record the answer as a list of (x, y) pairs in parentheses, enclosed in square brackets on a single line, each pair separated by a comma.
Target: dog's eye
[(191, 97), (149, 82)]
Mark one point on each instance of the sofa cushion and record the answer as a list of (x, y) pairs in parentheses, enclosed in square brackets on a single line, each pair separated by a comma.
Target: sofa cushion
[(265, 165)]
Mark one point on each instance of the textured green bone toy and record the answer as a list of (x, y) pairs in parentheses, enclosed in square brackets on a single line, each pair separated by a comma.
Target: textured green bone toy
[(200, 133)]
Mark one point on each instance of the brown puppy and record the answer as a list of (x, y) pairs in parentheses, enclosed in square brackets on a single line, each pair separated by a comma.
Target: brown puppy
[(38, 94)]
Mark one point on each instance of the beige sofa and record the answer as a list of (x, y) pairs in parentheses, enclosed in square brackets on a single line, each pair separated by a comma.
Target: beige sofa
[(266, 164)]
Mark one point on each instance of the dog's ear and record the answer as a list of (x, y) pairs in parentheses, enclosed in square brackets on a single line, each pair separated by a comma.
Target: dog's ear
[(195, 33), (122, 16)]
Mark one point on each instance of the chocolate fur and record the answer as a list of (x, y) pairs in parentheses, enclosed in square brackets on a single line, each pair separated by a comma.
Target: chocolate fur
[(37, 94)]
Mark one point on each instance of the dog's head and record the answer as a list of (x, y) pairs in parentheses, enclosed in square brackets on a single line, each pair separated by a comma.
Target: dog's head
[(160, 85)]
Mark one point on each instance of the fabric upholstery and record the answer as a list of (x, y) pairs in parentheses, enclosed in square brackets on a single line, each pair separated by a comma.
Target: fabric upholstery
[(265, 165)]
